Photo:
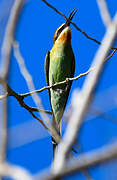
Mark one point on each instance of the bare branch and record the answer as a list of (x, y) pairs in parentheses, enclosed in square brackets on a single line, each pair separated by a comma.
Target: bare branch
[(104, 12), (89, 37), (85, 160), (54, 9), (14, 172), (9, 36), (24, 71), (3, 96), (27, 76), (83, 32), (56, 84), (20, 99), (81, 101), (5, 53), (67, 80)]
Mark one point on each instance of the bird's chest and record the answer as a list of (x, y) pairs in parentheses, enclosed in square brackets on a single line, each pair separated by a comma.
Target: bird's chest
[(60, 67), (60, 63)]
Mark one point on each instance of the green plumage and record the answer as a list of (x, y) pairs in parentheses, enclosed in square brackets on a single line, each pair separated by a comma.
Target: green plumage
[(59, 65)]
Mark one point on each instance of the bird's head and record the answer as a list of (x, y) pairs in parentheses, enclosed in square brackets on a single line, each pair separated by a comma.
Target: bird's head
[(63, 32)]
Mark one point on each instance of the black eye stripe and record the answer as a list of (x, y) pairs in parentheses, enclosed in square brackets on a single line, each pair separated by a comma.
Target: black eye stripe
[(61, 28), (59, 31)]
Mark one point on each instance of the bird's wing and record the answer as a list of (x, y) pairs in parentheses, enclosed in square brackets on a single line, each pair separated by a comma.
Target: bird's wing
[(47, 62), (71, 75)]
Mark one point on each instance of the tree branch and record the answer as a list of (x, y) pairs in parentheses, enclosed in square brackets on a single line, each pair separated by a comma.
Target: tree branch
[(49, 5), (104, 12), (9, 36), (5, 54), (14, 172), (65, 81), (20, 99), (85, 160)]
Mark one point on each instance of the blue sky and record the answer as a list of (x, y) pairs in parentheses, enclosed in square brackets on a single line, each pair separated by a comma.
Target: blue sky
[(34, 33)]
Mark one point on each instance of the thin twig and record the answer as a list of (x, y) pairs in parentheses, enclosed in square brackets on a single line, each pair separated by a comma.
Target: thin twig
[(54, 9), (57, 84), (32, 108), (48, 87), (83, 32), (20, 99), (41, 110), (67, 80), (110, 55), (89, 37)]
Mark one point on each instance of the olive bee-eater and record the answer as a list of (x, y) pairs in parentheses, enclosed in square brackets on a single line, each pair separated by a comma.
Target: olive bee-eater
[(59, 65)]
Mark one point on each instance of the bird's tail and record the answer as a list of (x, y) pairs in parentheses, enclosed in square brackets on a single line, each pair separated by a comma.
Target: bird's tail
[(58, 129)]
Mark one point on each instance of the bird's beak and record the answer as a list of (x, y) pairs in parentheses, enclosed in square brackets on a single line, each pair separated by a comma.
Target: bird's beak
[(70, 17)]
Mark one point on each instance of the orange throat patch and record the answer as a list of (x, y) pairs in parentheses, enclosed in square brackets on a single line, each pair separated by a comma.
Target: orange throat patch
[(65, 37)]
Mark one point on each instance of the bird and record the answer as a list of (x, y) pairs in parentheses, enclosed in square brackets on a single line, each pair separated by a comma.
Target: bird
[(60, 65)]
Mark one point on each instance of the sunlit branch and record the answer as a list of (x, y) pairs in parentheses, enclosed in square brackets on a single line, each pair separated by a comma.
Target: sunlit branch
[(57, 84), (67, 80), (4, 69), (3, 96), (14, 172), (104, 12), (48, 87), (85, 160)]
